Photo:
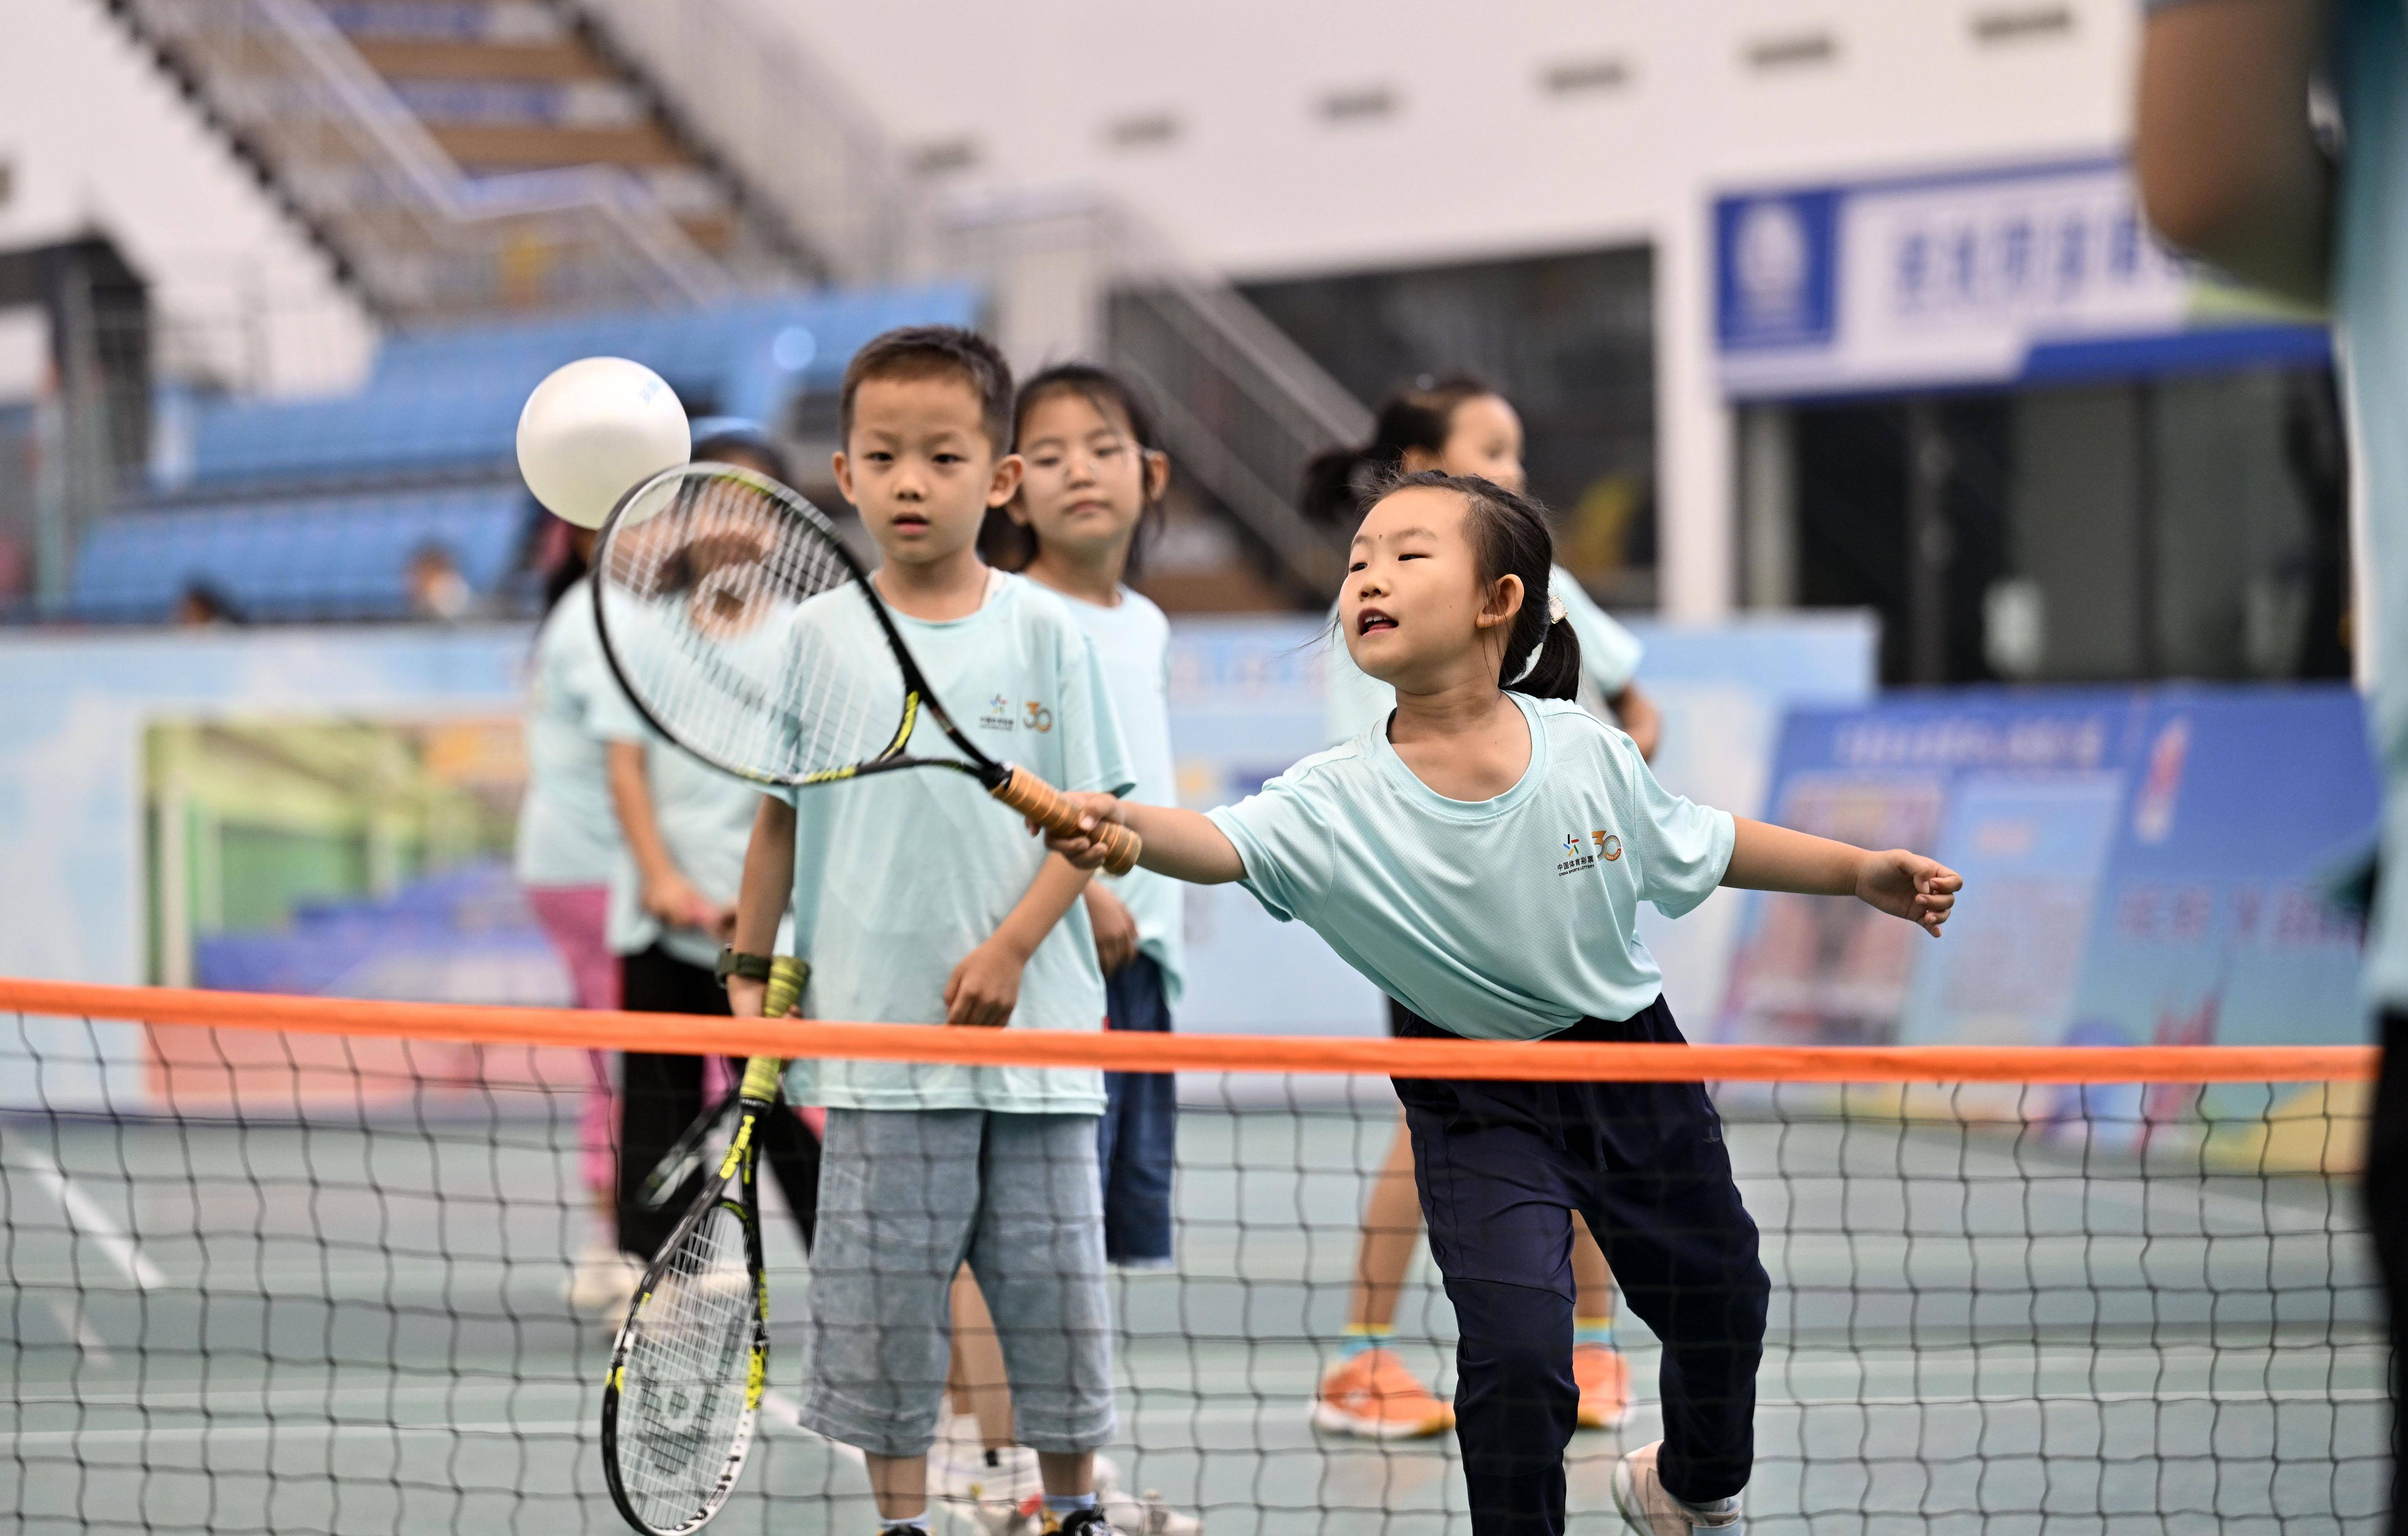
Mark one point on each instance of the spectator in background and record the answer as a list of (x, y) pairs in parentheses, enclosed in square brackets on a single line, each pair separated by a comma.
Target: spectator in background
[(2232, 170), (436, 589), (203, 606)]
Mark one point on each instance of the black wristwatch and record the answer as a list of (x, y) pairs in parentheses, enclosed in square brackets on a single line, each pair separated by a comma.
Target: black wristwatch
[(753, 968)]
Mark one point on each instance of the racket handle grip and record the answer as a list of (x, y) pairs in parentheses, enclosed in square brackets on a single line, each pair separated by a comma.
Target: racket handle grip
[(787, 976), (1041, 803), (761, 1075)]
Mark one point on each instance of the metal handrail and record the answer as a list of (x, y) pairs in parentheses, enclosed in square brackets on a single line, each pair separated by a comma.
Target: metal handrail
[(431, 240), (794, 133)]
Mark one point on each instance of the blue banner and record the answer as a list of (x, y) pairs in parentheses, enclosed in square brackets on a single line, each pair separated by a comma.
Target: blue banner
[(2152, 867)]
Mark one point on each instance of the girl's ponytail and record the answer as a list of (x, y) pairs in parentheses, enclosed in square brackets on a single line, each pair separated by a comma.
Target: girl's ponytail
[(1341, 481), (1331, 498), (1554, 671)]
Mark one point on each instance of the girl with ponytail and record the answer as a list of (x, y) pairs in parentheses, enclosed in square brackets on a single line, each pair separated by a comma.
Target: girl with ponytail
[(1480, 856), (1462, 427)]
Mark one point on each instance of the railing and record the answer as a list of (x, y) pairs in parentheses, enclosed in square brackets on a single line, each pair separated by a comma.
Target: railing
[(1069, 275), (787, 128), (425, 241)]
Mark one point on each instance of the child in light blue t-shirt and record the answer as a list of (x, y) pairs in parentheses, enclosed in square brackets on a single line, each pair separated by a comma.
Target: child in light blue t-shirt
[(1481, 855), (917, 900), (1095, 477)]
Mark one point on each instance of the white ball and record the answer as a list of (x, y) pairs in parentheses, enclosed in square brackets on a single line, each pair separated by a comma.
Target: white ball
[(594, 430)]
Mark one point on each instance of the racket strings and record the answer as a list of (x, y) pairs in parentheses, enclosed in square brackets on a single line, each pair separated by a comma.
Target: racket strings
[(685, 1393), (732, 620)]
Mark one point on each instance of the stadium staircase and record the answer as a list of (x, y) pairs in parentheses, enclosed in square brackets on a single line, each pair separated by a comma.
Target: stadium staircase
[(462, 162)]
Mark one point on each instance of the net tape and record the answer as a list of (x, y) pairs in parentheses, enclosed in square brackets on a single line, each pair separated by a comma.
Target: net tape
[(288, 1264)]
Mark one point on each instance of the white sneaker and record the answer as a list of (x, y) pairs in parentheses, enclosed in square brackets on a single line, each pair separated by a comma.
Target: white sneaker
[(1140, 1515), (603, 1282), (999, 1487), (1640, 1494), (1145, 1516)]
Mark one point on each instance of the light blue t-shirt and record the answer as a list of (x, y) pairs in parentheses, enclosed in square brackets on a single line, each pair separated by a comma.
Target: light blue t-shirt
[(1505, 919), (899, 875), (1609, 656), (567, 833), (2371, 313), (1133, 647), (706, 821)]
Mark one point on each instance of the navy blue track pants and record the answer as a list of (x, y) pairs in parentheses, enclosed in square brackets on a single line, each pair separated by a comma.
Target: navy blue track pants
[(1502, 1166)]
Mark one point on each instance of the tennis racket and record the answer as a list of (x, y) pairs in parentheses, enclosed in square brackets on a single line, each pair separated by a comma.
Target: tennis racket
[(690, 1362), (746, 631), (686, 1155)]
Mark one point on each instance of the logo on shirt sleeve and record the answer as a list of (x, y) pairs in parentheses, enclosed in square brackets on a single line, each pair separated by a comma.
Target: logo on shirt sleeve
[(1586, 853)]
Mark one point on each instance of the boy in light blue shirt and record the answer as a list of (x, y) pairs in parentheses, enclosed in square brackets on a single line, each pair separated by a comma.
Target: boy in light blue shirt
[(918, 901)]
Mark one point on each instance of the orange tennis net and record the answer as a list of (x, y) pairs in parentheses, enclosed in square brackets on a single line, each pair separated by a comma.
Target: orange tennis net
[(300, 1264)]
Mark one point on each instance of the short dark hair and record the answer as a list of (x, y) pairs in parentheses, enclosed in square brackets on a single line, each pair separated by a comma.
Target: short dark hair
[(753, 445), (924, 352)]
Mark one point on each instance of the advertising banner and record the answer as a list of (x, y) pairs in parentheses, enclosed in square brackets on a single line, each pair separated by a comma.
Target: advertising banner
[(1993, 275), (2164, 867)]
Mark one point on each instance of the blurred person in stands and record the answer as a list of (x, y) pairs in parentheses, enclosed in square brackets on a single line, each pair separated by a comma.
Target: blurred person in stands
[(2233, 169), (436, 589), (567, 843), (685, 827), (203, 605), (1457, 426)]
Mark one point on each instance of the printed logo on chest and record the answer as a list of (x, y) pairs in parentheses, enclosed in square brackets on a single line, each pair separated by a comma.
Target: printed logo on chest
[(1002, 714), (1588, 849)]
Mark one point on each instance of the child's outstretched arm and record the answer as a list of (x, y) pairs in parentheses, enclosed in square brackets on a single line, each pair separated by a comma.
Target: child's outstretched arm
[(1183, 844), (1903, 884)]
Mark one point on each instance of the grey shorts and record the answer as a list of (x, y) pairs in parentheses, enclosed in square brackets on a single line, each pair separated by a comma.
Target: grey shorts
[(905, 1198)]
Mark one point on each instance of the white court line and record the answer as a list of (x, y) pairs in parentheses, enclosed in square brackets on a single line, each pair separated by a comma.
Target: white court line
[(564, 1428), (786, 1419), (79, 1329), (90, 1220)]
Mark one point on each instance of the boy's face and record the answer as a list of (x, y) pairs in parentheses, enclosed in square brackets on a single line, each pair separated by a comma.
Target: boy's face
[(919, 466)]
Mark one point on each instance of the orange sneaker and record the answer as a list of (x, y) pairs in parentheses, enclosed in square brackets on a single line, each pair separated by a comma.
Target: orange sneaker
[(1604, 1378), (1373, 1397)]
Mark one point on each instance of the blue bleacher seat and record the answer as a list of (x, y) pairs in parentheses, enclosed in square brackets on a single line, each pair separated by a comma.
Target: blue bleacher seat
[(310, 559), (448, 400), (300, 510)]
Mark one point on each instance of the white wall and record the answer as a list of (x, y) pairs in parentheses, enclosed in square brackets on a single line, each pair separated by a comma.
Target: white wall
[(96, 138), (1478, 160)]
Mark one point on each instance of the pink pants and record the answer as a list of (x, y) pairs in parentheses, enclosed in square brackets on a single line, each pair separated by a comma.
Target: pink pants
[(576, 919)]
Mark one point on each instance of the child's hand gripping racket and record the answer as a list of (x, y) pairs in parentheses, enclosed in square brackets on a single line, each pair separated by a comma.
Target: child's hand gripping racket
[(687, 1154), (747, 632)]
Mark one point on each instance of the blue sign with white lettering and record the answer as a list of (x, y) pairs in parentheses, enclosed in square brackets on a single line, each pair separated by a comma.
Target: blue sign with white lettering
[(2004, 275)]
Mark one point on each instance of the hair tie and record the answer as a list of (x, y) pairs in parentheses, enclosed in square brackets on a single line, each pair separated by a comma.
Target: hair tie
[(1555, 616)]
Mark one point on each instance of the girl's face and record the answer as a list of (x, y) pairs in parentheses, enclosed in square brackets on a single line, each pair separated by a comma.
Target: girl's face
[(1414, 611), (1087, 482), (1484, 437)]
